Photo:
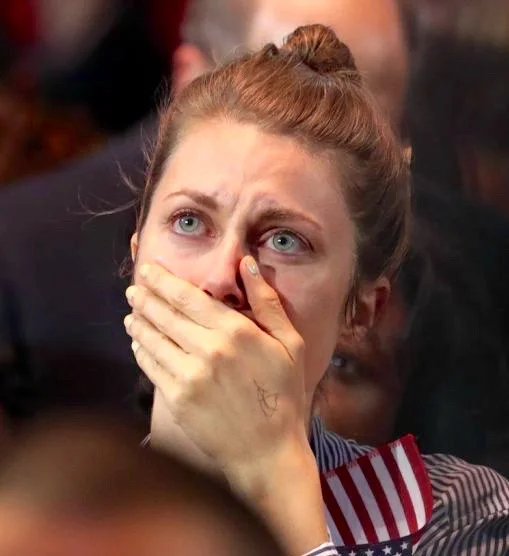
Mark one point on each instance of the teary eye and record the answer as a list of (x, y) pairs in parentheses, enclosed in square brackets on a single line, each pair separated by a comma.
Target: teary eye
[(188, 223)]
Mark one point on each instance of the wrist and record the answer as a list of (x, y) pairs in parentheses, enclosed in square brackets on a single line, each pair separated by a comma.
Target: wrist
[(284, 489), (255, 478), (168, 436)]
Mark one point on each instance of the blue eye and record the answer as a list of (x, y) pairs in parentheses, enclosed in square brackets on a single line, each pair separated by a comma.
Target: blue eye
[(346, 370), (285, 242), (189, 224), (338, 361)]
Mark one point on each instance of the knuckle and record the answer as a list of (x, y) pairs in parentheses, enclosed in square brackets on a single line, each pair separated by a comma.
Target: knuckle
[(240, 333), (271, 299), (141, 298), (156, 278), (143, 334), (219, 352), (135, 327), (297, 346), (179, 402), (182, 299), (194, 382), (140, 357), (158, 350), (144, 359), (163, 328), (156, 366)]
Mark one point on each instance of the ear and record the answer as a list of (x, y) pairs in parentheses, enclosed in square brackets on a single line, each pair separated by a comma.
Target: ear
[(189, 62), (408, 153), (370, 304), (134, 246)]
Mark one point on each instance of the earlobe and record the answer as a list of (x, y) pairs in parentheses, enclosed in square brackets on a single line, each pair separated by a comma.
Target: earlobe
[(134, 246)]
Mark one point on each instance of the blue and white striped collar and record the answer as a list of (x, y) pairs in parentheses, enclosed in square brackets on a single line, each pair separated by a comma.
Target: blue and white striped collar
[(331, 450)]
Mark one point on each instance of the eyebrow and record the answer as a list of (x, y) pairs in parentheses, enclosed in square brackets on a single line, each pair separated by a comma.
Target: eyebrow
[(267, 214), (199, 198), (287, 215)]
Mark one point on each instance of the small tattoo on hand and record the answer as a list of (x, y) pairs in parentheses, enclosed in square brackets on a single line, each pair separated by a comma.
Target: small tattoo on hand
[(267, 401)]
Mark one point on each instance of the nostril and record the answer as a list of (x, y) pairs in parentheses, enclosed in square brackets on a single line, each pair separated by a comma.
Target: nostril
[(233, 301)]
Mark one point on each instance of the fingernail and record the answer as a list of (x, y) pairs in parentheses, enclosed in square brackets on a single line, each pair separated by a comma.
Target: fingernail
[(135, 346), (130, 293), (252, 266), (144, 270), (128, 321)]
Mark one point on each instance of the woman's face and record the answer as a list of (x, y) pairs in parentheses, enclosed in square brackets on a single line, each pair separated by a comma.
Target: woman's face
[(363, 393), (230, 189)]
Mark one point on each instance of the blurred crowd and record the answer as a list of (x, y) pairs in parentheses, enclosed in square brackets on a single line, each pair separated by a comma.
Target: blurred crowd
[(80, 86), (75, 73)]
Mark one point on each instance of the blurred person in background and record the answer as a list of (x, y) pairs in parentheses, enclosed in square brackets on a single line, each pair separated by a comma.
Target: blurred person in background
[(214, 31), (458, 116), (459, 107), (67, 84), (61, 294), (76, 486), (433, 16)]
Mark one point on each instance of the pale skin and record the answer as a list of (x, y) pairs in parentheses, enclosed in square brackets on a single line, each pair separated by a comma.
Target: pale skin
[(242, 272)]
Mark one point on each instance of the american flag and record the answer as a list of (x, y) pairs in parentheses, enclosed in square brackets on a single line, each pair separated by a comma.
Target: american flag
[(400, 547), (378, 503)]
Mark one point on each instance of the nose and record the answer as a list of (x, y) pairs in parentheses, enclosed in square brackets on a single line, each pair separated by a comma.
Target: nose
[(222, 280)]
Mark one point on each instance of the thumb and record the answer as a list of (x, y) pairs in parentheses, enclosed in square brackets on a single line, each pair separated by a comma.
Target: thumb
[(267, 308)]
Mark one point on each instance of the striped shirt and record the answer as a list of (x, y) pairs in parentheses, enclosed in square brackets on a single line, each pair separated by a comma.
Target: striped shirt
[(470, 514)]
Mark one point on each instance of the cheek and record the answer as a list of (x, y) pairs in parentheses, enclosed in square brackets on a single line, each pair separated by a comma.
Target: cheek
[(365, 412), (155, 247), (315, 307)]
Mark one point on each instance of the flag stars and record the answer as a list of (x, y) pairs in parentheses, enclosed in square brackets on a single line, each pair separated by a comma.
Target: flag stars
[(369, 552), (404, 546), (387, 550), (352, 553)]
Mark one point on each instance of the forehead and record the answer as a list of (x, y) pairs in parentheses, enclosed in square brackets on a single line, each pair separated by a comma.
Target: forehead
[(227, 159)]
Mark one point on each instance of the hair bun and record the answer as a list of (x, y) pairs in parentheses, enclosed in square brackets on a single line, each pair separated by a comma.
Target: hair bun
[(319, 48)]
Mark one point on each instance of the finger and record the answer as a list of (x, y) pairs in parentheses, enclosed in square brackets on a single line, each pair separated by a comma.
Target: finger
[(161, 350), (152, 369), (187, 334), (183, 296), (267, 308)]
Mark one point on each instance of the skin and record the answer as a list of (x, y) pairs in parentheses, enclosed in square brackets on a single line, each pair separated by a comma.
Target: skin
[(235, 331)]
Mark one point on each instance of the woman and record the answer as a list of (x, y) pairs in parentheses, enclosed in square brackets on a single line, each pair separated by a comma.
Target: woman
[(274, 218)]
